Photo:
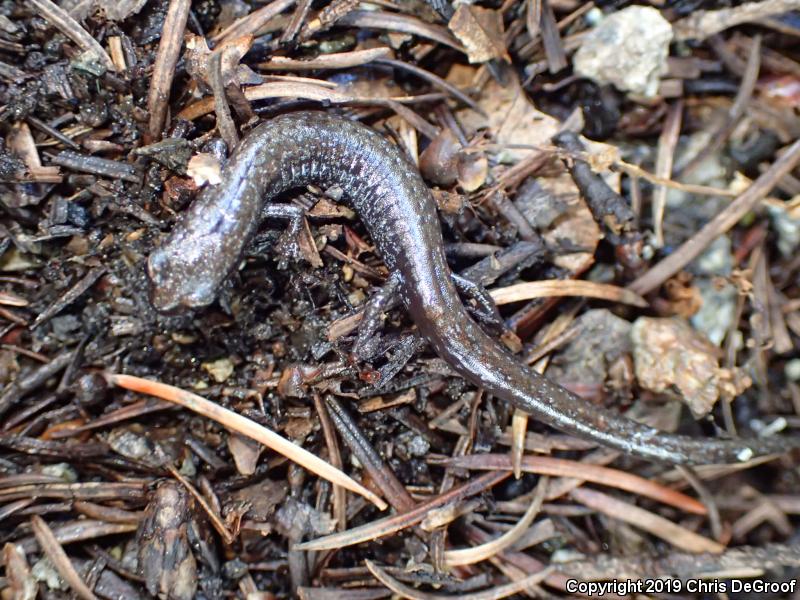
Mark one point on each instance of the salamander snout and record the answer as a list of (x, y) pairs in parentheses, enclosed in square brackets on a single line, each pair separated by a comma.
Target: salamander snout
[(175, 285)]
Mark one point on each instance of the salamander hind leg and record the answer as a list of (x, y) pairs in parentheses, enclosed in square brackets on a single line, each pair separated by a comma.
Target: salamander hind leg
[(288, 247)]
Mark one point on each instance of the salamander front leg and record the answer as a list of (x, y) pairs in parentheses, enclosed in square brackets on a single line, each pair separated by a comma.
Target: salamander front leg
[(287, 247), (368, 342), (403, 350), (485, 310)]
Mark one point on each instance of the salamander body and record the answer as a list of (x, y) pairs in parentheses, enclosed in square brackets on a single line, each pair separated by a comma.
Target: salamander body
[(396, 207)]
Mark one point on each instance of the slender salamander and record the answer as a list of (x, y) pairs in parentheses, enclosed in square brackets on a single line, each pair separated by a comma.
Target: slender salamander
[(397, 208)]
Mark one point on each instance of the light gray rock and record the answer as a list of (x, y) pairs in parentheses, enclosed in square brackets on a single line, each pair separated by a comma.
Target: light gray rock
[(627, 49)]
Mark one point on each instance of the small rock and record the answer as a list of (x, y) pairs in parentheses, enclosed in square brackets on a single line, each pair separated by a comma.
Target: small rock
[(219, 369), (792, 369), (627, 49), (717, 310), (787, 226), (603, 339), (717, 259), (43, 571), (61, 470)]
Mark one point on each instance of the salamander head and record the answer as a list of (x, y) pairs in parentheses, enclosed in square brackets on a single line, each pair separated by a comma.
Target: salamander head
[(183, 275)]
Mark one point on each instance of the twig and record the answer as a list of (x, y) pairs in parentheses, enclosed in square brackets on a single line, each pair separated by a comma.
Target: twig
[(104, 167), (726, 219), (554, 51), (748, 560), (708, 499), (608, 207), (225, 124), (494, 593), (52, 132), (215, 519), (559, 467), (251, 23), (168, 51), (295, 90), (373, 464), (434, 80), (297, 20), (666, 150), (59, 558), (14, 392), (338, 60), (78, 531), (335, 456), (403, 23), (513, 215), (75, 292), (468, 556), (689, 188), (705, 23), (533, 18), (678, 536), (720, 135)]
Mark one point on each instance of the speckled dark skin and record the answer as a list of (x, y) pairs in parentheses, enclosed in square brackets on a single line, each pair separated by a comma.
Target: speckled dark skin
[(388, 194)]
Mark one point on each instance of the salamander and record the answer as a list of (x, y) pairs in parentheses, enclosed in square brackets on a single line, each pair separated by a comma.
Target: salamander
[(387, 192)]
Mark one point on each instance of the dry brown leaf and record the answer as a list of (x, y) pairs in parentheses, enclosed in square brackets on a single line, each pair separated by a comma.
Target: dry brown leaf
[(473, 169), (523, 131), (245, 453), (481, 32)]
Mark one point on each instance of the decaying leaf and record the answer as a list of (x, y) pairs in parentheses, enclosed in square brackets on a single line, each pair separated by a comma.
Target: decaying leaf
[(481, 31), (204, 168), (669, 354)]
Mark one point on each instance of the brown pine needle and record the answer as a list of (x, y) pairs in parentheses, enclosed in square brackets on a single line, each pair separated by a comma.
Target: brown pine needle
[(395, 523), (468, 556), (244, 426), (494, 593), (560, 467), (338, 60), (670, 532), (570, 287)]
